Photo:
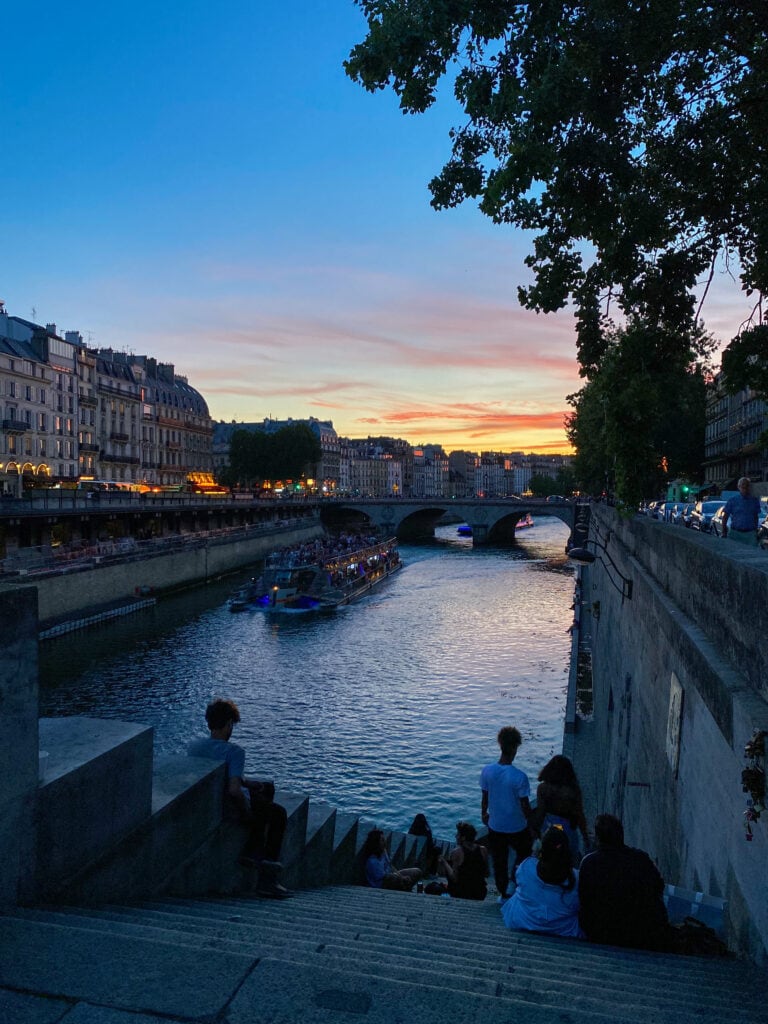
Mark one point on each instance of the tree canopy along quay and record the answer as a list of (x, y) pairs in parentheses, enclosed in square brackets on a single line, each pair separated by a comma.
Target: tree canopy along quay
[(628, 137)]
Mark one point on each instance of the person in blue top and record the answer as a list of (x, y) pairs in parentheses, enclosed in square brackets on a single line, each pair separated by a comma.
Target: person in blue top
[(546, 899), (379, 873), (251, 800), (505, 808), (744, 511)]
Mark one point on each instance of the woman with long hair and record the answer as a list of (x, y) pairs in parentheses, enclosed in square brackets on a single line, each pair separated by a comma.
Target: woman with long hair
[(546, 899), (559, 802), (467, 866), (379, 873)]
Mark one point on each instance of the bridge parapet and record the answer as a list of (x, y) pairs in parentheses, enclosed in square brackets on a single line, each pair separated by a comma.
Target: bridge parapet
[(490, 518)]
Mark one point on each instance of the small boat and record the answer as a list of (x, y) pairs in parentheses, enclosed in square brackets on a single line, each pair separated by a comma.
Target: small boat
[(319, 586), (527, 520), (464, 530)]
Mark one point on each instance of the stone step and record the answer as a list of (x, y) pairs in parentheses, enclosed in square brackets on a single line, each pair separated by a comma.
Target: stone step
[(481, 923), (395, 944), (173, 979)]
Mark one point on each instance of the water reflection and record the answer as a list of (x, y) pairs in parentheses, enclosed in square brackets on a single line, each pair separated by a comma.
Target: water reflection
[(387, 707)]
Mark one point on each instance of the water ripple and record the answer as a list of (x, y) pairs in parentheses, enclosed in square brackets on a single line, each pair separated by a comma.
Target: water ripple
[(387, 708)]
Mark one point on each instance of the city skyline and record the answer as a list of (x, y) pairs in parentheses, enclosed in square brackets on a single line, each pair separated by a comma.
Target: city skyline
[(217, 194)]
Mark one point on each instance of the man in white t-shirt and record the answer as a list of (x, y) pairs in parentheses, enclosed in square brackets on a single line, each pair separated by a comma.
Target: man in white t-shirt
[(505, 809)]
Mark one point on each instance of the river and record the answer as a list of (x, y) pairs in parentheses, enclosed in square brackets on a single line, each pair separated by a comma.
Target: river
[(387, 707)]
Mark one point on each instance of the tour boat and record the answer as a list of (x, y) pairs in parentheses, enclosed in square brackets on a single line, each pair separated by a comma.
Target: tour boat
[(527, 520), (319, 586)]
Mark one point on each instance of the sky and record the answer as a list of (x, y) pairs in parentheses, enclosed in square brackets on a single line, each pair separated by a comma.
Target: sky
[(202, 183)]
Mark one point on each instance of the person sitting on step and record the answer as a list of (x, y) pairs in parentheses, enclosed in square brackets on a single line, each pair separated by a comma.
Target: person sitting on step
[(379, 873), (250, 800), (467, 865), (622, 893), (546, 899)]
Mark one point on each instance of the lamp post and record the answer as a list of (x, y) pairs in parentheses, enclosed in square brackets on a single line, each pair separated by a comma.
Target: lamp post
[(583, 556)]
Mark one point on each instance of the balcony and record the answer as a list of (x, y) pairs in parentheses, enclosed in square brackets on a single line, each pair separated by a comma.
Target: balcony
[(115, 436), (123, 460), (88, 397), (16, 426), (86, 446)]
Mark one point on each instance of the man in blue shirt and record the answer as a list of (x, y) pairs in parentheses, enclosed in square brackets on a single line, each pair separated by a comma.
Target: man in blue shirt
[(505, 808), (251, 799), (744, 510)]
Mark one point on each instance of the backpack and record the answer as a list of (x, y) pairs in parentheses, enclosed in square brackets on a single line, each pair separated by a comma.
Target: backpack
[(694, 938)]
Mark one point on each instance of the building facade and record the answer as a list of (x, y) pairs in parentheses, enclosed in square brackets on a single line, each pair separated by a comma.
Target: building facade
[(70, 411), (732, 441)]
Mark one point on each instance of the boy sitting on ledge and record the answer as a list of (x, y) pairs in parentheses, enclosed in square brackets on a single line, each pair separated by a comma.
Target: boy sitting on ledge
[(251, 799)]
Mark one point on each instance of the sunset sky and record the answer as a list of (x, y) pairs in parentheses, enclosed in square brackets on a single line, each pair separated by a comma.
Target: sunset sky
[(202, 183)]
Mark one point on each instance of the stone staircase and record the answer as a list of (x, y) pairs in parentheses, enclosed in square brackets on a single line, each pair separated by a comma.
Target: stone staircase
[(342, 953)]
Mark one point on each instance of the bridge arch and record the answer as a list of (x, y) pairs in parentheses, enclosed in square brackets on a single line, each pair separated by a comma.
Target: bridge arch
[(491, 520)]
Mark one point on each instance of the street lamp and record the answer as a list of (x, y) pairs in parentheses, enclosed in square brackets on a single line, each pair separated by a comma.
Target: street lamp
[(582, 556)]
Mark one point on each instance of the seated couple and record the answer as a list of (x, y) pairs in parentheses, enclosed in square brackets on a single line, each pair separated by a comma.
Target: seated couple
[(616, 897), (465, 869)]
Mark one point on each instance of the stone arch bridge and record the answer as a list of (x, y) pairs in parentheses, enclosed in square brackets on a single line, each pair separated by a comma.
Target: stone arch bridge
[(493, 520)]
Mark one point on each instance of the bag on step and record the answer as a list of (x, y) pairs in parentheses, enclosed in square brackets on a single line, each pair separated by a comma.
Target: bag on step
[(694, 938)]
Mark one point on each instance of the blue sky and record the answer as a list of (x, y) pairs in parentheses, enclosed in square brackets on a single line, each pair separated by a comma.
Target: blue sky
[(203, 183)]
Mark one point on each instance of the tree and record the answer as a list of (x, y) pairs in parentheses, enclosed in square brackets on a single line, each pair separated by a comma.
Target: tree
[(541, 485), (288, 454), (640, 420), (745, 362), (629, 136)]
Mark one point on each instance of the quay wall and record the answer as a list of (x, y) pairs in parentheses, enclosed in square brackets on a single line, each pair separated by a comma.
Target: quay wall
[(680, 679), (68, 593)]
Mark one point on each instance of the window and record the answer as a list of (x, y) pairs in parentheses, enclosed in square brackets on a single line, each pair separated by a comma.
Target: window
[(28, 392), (42, 421), (12, 388), (11, 444), (41, 447), (42, 396)]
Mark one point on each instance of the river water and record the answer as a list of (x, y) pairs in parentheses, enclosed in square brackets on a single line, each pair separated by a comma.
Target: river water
[(387, 707)]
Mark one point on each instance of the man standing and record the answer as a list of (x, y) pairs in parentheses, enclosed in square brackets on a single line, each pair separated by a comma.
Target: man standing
[(621, 893), (744, 511), (505, 809), (252, 800)]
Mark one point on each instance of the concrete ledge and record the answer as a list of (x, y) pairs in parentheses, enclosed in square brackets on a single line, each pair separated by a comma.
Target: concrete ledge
[(97, 788)]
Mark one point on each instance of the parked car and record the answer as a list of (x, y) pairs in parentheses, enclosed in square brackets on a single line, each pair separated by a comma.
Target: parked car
[(682, 514), (701, 517), (718, 521), (555, 499), (665, 510), (762, 534)]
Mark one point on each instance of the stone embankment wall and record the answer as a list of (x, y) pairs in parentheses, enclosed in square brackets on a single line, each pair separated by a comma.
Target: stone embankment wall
[(680, 676), (69, 593)]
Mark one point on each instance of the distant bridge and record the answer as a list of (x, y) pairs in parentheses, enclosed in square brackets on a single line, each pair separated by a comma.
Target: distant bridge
[(493, 520)]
